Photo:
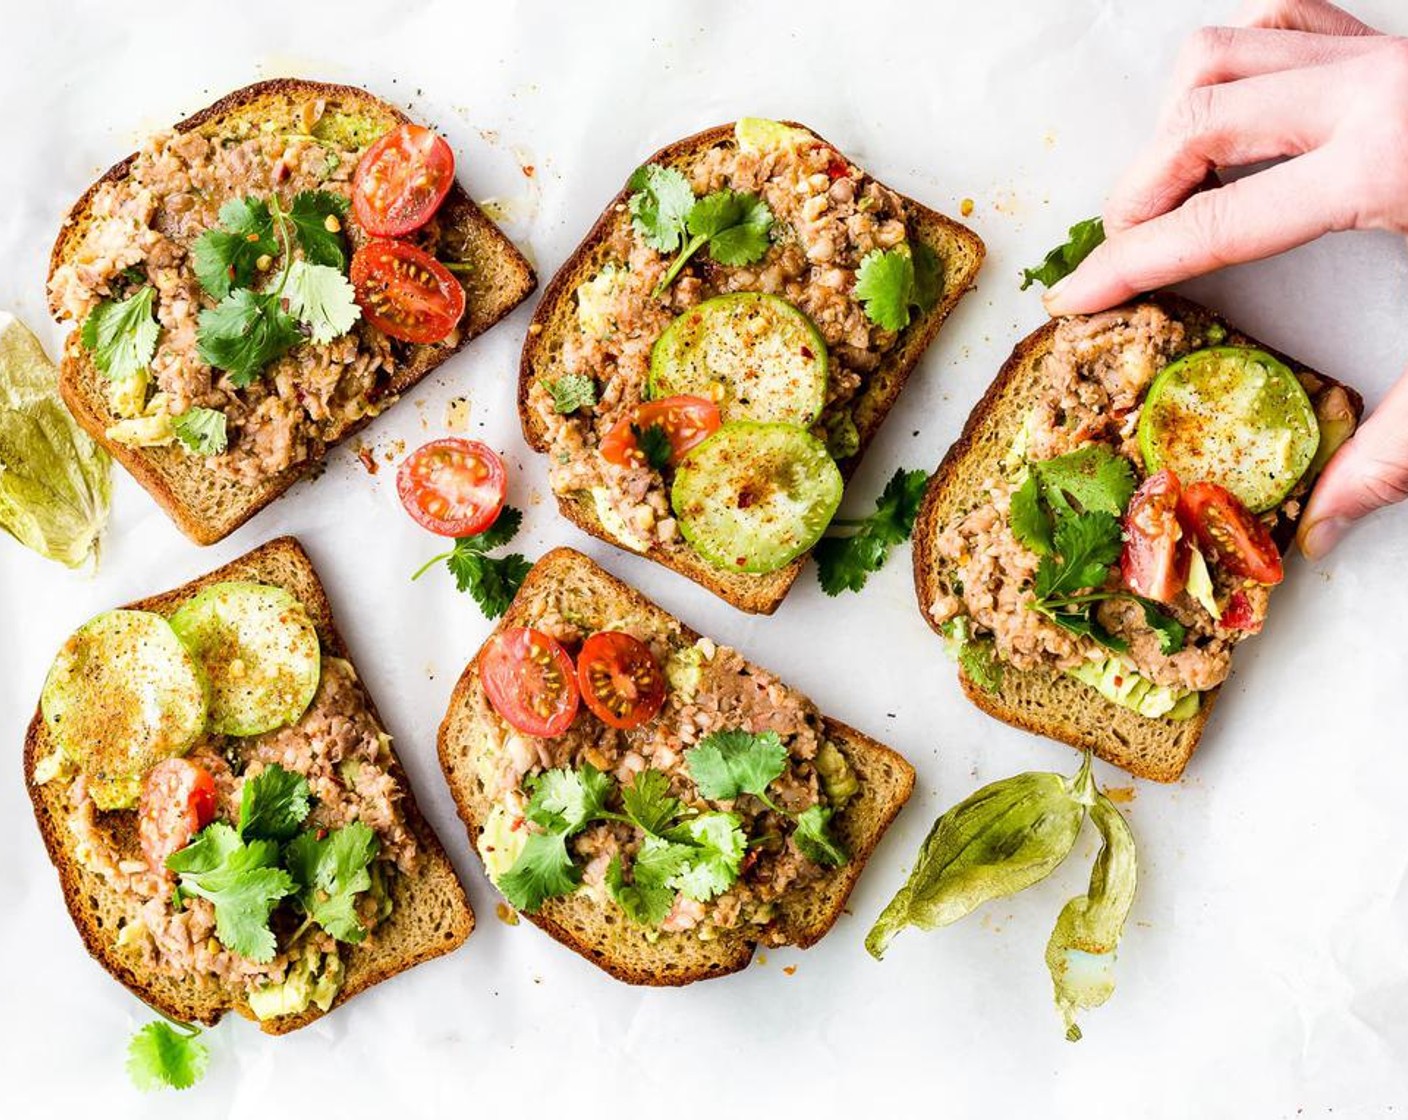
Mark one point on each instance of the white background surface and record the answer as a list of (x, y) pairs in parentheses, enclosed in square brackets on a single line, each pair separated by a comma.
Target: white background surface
[(1265, 969)]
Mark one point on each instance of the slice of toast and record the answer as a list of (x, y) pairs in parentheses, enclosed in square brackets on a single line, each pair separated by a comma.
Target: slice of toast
[(430, 916), (579, 589), (207, 506), (1046, 702), (959, 249)]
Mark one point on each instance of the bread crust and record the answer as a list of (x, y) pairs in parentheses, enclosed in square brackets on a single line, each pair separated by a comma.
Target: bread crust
[(166, 473), (282, 562), (1046, 702), (887, 780), (962, 252)]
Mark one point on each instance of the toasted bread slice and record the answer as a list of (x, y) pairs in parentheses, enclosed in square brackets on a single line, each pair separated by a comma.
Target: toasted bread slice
[(579, 589), (431, 914), (1051, 703), (959, 249), (207, 506)]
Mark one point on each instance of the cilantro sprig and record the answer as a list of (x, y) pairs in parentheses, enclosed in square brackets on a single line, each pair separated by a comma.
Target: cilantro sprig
[(201, 430), (736, 226), (492, 581), (892, 282), (571, 392), (121, 334), (844, 563), (1067, 511), (1081, 240), (168, 1055), (653, 441)]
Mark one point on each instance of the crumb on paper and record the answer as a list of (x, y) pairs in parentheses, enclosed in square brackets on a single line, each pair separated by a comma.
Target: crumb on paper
[(965, 207), (508, 915), (394, 450), (457, 414), (364, 453), (1049, 138), (1120, 795), (762, 958), (535, 498), (789, 970)]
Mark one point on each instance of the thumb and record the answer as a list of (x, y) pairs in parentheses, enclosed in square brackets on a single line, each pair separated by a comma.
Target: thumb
[(1367, 473)]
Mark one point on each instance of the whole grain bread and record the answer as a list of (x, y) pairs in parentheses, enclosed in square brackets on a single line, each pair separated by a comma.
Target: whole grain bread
[(430, 916), (581, 590), (960, 252), (204, 505), (1047, 702)]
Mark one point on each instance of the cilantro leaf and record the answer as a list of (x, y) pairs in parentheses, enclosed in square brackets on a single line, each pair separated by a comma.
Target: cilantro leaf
[(1081, 240), (565, 800), (121, 335), (928, 275), (543, 870), (321, 298), (649, 897), (659, 206), (1029, 517), (726, 764), (243, 882), (735, 225), (571, 392), (1095, 476), (1086, 544), (978, 659), (316, 217), (890, 282), (845, 563), (648, 802), (160, 1056), (244, 333), (503, 530), (330, 873), (1171, 632), (716, 857), (226, 258), (654, 443), (201, 430), (273, 804), (813, 837), (491, 581)]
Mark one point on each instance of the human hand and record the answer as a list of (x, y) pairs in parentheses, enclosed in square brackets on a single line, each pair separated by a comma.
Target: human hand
[(1304, 82)]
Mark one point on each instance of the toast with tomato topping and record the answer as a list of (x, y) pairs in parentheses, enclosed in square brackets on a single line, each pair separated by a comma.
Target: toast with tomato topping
[(779, 897), (135, 226), (429, 914), (964, 536), (812, 263)]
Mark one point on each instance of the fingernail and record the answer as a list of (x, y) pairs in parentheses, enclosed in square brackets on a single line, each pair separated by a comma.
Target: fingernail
[(1054, 292), (1320, 536)]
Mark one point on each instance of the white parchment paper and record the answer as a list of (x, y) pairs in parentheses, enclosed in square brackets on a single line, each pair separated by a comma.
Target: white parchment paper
[(1265, 969)]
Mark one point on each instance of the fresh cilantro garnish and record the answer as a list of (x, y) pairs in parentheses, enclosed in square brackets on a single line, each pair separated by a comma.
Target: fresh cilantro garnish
[(163, 1055), (121, 335), (890, 282), (813, 838), (330, 873), (654, 444), (1081, 240), (1085, 545), (321, 298), (726, 764), (717, 856), (565, 800), (571, 392), (492, 581), (735, 225), (543, 870), (242, 880), (980, 664), (201, 430), (227, 257), (845, 562), (650, 895), (316, 217), (659, 205), (244, 333), (273, 803), (648, 802)]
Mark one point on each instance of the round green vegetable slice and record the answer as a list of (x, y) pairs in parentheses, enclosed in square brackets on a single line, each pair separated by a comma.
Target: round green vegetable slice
[(1233, 416), (122, 695), (755, 354), (259, 650), (753, 497)]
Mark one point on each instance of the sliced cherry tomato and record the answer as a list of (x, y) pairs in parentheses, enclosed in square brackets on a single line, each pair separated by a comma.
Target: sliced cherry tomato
[(453, 487), (178, 800), (1156, 556), (401, 181), (530, 681), (1240, 614), (406, 293), (1229, 535), (686, 421), (620, 679)]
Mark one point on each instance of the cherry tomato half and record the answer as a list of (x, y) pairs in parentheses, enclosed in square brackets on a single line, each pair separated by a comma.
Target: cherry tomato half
[(178, 800), (453, 487), (1240, 614), (1229, 535), (530, 681), (686, 421), (401, 180), (1156, 556), (621, 681), (406, 293)]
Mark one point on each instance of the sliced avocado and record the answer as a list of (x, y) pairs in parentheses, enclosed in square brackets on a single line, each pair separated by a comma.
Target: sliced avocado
[(1120, 684), (614, 523), (1200, 583), (757, 134), (684, 669), (314, 978), (837, 777), (594, 298), (349, 130), (500, 843)]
